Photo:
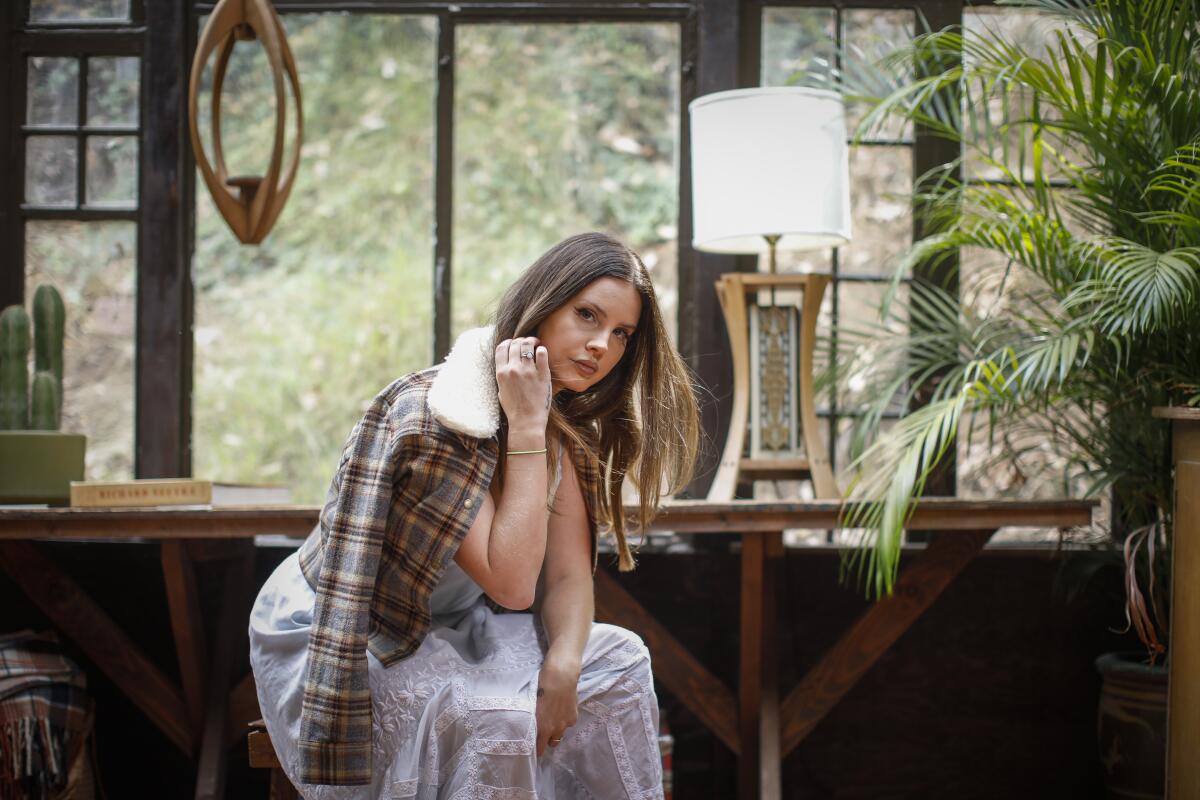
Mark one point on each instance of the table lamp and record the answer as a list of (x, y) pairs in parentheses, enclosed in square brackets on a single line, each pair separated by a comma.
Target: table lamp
[(769, 172)]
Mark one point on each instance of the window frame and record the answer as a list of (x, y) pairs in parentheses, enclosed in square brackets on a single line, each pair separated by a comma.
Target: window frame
[(720, 45)]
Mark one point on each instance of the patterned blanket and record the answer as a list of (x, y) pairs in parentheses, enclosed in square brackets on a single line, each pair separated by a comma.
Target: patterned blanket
[(45, 715)]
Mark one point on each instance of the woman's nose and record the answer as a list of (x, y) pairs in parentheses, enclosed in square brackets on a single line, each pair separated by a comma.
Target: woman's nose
[(598, 346)]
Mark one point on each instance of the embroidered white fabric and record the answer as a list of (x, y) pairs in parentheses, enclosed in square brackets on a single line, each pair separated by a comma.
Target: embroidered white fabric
[(456, 720)]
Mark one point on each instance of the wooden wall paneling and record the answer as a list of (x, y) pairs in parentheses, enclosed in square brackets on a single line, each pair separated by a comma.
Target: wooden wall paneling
[(844, 664)]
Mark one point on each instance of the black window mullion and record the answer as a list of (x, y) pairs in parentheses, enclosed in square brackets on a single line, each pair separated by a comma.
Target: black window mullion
[(930, 151), (80, 138), (443, 239), (12, 146), (163, 349)]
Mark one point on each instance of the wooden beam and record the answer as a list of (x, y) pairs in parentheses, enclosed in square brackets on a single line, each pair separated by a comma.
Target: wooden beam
[(164, 287), (674, 667), (844, 664), (227, 645), (187, 626), (79, 618), (759, 764)]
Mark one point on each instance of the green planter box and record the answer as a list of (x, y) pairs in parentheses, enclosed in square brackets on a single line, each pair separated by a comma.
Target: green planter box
[(38, 466)]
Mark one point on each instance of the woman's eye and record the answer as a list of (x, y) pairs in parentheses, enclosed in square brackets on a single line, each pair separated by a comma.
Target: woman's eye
[(623, 334), (585, 313)]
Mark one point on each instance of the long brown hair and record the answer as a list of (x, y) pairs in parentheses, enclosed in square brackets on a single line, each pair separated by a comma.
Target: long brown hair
[(641, 419)]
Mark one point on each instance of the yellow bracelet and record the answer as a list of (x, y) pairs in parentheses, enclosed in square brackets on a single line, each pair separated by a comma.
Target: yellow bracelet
[(524, 452)]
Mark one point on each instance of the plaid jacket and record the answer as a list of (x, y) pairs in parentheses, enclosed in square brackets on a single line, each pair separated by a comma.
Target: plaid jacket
[(410, 481)]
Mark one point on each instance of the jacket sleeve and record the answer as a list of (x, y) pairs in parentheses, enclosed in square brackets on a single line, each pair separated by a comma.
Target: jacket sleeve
[(335, 721)]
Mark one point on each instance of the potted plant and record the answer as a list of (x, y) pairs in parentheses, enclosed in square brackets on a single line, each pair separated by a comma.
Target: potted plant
[(37, 461), (1092, 316)]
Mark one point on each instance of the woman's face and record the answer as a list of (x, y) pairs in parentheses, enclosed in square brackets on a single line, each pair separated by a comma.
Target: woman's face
[(586, 336)]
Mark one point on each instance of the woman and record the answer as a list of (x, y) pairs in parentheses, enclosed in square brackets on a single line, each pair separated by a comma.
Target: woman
[(383, 665)]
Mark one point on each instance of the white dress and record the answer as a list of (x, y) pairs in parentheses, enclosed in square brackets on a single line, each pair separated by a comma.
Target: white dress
[(456, 719)]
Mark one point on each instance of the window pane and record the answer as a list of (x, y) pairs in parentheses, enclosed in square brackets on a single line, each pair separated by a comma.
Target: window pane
[(591, 119), (53, 91), (870, 34), (295, 336), (93, 266), (112, 171), (113, 91), (797, 42), (846, 451), (50, 170), (858, 310), (1000, 153), (78, 10), (881, 209)]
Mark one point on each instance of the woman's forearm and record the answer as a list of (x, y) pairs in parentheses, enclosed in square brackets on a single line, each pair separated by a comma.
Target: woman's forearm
[(517, 544), (567, 610)]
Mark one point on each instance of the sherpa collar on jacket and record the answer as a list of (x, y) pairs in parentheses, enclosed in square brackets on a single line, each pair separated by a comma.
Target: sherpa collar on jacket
[(464, 396)]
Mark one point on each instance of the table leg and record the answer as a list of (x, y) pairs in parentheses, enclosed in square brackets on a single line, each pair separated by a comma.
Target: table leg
[(758, 671), (228, 648), (187, 626)]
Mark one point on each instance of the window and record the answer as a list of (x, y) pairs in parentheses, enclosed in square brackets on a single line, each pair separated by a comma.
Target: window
[(294, 336), (78, 119), (796, 42), (1018, 458), (556, 127), (591, 115)]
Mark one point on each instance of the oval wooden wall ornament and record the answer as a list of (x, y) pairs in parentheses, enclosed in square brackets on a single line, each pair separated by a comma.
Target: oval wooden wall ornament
[(250, 204)]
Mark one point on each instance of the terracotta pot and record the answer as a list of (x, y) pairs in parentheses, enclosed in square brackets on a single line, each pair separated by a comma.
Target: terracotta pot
[(1132, 726)]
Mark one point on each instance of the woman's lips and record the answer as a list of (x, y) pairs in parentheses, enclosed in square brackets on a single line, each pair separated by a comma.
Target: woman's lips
[(585, 369)]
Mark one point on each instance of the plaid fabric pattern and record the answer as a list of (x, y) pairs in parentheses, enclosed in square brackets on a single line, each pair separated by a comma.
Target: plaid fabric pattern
[(404, 495), (44, 715)]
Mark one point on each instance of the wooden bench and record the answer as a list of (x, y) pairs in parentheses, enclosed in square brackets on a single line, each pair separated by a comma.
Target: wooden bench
[(262, 756)]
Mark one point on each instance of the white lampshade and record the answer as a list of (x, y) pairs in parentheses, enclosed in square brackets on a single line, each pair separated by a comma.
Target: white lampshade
[(769, 161)]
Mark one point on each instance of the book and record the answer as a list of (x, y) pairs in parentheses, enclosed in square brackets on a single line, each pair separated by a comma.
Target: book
[(141, 493)]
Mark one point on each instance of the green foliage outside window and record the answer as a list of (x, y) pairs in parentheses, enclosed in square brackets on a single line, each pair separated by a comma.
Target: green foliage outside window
[(559, 128)]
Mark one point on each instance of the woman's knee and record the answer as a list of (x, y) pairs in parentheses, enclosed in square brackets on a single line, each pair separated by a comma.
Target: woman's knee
[(625, 648)]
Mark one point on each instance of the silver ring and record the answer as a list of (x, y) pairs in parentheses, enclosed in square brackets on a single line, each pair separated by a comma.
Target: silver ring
[(526, 354), (556, 741)]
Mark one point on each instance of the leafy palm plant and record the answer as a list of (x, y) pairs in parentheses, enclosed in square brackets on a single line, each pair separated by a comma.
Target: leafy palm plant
[(1093, 317)]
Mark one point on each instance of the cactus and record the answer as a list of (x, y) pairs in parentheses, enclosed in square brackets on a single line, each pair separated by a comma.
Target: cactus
[(44, 410), (14, 379), (49, 323)]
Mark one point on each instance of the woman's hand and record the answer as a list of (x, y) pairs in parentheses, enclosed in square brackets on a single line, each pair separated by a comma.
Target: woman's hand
[(524, 385), (557, 704)]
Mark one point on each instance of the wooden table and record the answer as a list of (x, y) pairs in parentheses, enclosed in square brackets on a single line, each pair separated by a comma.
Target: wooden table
[(755, 723), (186, 714)]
